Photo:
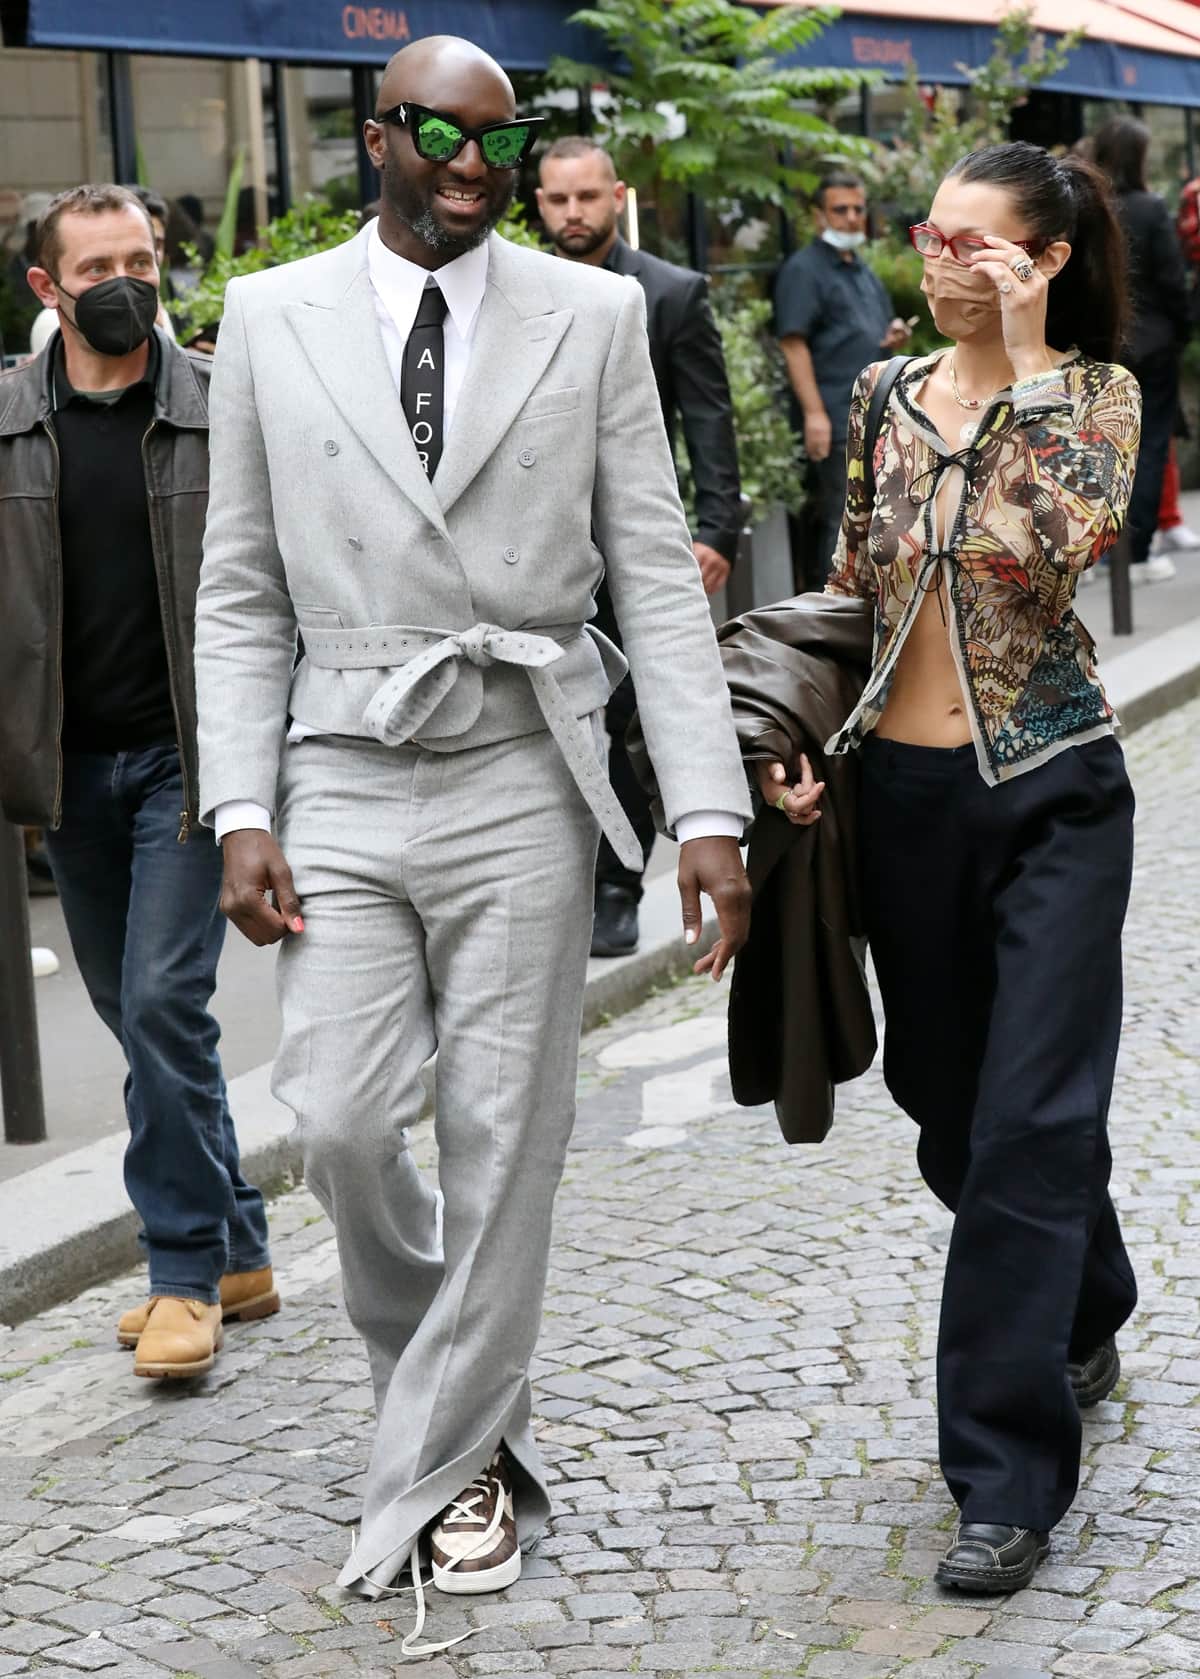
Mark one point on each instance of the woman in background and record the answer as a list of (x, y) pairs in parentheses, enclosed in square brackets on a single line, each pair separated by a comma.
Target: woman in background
[(1161, 323)]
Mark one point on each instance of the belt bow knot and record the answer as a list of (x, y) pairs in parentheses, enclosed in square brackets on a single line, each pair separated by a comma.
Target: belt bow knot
[(427, 664)]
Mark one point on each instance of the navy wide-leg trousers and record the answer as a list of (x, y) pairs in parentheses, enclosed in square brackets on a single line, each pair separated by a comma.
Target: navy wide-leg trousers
[(994, 916)]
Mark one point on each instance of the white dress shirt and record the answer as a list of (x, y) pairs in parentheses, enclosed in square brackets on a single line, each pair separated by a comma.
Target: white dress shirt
[(398, 284)]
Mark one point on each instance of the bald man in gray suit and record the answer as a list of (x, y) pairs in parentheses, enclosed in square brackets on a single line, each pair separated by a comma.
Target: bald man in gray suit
[(428, 447)]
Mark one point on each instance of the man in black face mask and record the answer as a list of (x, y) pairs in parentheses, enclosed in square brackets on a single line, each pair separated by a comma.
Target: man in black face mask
[(103, 495)]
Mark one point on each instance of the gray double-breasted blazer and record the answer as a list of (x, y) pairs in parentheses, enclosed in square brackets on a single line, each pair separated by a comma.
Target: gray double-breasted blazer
[(321, 521)]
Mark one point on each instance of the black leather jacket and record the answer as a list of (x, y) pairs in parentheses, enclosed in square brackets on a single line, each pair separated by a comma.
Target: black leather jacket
[(175, 455)]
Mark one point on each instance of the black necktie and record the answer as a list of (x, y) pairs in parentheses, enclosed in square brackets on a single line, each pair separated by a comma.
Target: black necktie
[(422, 386)]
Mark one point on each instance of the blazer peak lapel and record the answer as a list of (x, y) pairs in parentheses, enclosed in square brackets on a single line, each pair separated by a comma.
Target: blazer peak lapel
[(345, 348), (509, 354)]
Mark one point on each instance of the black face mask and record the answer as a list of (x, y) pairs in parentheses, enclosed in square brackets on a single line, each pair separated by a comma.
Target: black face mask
[(116, 316)]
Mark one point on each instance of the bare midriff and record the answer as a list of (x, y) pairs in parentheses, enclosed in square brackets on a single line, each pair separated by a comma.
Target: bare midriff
[(926, 705)]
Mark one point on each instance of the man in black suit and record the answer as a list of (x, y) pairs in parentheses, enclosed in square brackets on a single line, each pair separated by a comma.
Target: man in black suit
[(580, 200)]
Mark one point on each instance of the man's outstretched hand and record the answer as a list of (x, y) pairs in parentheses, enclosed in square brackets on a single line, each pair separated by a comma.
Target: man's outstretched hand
[(714, 865), (254, 868)]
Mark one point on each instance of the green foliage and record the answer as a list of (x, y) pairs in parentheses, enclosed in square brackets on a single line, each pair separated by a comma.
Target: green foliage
[(934, 135), (515, 227), (715, 64), (310, 226), (226, 234), (900, 269), (768, 450)]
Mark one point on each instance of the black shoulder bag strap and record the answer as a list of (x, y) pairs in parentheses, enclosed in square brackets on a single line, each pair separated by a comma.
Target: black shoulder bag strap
[(875, 413)]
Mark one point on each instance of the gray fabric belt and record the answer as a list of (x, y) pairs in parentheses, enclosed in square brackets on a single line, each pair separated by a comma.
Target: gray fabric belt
[(427, 664)]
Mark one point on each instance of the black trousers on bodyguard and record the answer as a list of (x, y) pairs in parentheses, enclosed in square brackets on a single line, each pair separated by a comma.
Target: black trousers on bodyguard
[(994, 916)]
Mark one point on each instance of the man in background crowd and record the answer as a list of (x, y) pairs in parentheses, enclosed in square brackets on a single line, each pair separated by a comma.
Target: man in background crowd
[(580, 201), (833, 318), (155, 206), (103, 495)]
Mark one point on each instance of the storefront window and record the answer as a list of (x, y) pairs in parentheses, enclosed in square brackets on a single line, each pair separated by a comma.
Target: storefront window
[(1168, 168), (53, 135), (324, 144), (185, 137)]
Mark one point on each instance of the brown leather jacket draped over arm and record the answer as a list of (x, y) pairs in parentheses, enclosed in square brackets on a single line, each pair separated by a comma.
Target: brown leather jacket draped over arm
[(800, 1016)]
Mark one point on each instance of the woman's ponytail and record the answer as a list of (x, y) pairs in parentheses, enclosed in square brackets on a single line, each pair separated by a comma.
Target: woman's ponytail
[(1067, 198)]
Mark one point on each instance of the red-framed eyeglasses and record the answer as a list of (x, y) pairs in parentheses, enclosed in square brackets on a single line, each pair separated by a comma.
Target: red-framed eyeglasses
[(930, 241)]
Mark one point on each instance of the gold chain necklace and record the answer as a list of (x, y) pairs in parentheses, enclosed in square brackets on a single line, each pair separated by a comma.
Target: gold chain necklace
[(969, 430), (965, 401)]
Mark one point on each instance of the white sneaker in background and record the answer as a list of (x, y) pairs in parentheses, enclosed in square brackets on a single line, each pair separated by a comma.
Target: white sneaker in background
[(1177, 540), (1157, 569), (45, 962)]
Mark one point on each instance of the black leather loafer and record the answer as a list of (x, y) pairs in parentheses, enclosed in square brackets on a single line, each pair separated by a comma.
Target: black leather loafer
[(1097, 1376), (615, 928), (991, 1557)]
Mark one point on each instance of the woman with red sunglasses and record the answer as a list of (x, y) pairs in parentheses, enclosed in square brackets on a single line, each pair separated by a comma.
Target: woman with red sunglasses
[(995, 816)]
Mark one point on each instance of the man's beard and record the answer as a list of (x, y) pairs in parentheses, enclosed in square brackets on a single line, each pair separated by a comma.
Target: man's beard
[(420, 216), (582, 245)]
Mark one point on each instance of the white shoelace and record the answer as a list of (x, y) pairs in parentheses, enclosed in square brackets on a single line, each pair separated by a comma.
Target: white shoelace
[(461, 1509)]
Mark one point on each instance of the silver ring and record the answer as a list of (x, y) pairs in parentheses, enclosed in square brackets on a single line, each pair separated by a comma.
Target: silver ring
[(1006, 286), (1022, 268)]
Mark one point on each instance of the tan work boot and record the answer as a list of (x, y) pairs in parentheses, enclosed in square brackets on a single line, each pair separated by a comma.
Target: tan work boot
[(181, 1338), (245, 1295)]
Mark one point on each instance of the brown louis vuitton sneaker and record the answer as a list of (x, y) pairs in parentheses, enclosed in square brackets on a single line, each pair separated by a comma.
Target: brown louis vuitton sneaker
[(182, 1338), (473, 1546), (245, 1295)]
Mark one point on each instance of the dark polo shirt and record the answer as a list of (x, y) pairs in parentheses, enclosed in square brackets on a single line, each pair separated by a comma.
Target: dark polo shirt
[(842, 310), (116, 686)]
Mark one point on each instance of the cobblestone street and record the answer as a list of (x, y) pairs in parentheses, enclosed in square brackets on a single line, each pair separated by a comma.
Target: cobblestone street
[(735, 1393)]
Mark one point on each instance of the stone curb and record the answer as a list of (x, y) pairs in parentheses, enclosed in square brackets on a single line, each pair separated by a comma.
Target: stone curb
[(66, 1225), (1150, 680)]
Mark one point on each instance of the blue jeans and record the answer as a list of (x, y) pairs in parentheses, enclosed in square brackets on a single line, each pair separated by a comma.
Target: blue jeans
[(141, 910)]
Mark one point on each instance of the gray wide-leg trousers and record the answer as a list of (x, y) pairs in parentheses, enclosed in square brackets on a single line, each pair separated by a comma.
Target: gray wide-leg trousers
[(447, 901)]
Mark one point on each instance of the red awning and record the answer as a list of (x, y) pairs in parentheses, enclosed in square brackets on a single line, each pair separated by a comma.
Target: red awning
[(1168, 26)]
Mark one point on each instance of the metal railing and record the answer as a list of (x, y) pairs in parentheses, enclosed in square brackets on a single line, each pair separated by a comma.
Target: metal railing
[(1120, 588), (20, 1058)]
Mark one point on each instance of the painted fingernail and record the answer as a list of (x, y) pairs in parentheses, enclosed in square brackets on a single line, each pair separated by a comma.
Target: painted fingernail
[(690, 936), (297, 924)]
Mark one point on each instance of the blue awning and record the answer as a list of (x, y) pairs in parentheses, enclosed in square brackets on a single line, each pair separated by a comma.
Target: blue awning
[(1096, 69), (525, 35), (522, 34)]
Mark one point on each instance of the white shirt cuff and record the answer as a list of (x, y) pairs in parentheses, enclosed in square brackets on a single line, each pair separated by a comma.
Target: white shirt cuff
[(708, 824), (240, 813)]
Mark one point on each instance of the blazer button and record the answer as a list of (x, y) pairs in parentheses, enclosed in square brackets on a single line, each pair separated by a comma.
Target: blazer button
[(355, 544), (527, 457), (511, 556), (331, 447)]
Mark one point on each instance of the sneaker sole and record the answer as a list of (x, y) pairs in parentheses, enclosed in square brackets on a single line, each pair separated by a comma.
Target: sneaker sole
[(989, 1580), (480, 1580), (181, 1372), (261, 1306)]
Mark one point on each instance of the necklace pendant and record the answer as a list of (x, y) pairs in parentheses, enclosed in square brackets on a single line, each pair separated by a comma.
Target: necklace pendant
[(968, 431)]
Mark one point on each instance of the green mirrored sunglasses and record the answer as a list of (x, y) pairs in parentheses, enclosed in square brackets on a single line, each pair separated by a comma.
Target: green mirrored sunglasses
[(438, 137)]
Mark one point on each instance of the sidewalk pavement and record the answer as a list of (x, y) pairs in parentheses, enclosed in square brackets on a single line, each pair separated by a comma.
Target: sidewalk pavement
[(734, 1390), (64, 1221)]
